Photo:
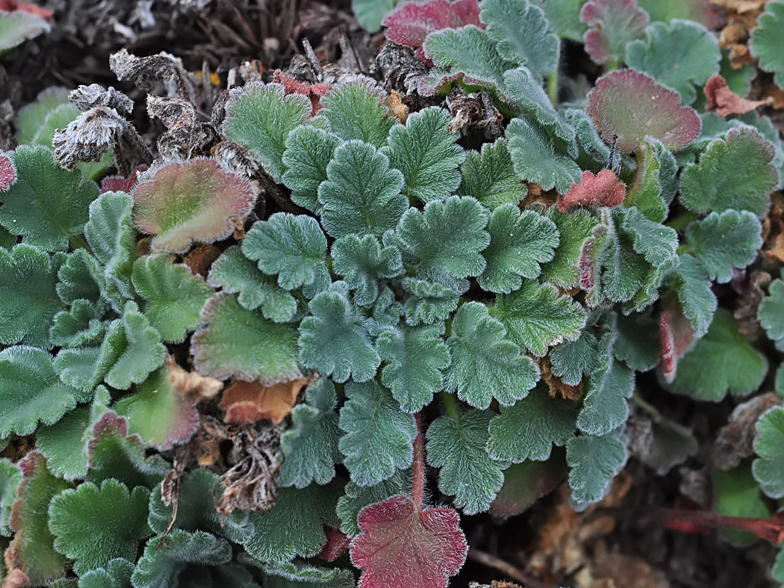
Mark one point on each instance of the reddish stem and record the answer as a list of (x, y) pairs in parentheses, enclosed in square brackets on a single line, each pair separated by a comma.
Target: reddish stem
[(418, 467)]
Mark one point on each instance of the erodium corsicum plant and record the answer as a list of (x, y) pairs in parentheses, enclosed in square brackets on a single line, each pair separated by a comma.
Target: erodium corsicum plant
[(414, 311)]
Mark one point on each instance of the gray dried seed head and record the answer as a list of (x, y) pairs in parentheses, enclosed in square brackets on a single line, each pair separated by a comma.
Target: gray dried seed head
[(87, 97), (88, 136), (185, 135), (144, 71)]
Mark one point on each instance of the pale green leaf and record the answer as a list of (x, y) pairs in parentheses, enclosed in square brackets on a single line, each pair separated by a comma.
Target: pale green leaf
[(573, 359), (80, 277), (768, 469), (370, 13), (65, 444), (357, 110), (362, 263), (524, 90), (10, 477), (737, 494), (771, 311), (309, 150), (574, 227), (693, 288), (489, 176), (594, 462), (428, 302), (766, 43)]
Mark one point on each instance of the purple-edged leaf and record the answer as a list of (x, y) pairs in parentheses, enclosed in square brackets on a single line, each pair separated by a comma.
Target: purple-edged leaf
[(196, 200), (403, 546), (7, 171), (630, 105), (613, 24)]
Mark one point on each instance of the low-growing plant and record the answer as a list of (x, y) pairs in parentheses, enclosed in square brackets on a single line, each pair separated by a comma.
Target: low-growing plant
[(385, 307)]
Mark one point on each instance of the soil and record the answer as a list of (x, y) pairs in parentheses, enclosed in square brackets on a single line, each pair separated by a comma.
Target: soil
[(547, 546)]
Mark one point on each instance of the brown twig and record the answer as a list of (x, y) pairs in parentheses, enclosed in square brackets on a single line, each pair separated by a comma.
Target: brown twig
[(505, 568)]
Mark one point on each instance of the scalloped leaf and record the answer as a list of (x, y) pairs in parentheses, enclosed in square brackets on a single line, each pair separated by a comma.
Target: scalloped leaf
[(427, 301), (239, 342), (594, 462), (467, 472), (116, 574), (536, 317), (358, 111), (613, 24), (361, 194), (771, 311), (769, 444), (379, 435), (174, 296), (535, 157), (358, 497), (404, 546), (31, 391), (679, 55), (693, 287), (724, 242), (530, 428), (485, 364), (630, 105), (604, 189), (80, 278), (574, 228), (722, 361), (32, 549), (573, 359), (93, 526), (308, 152), (47, 204), (525, 92), (17, 26), (65, 444), (31, 121), (766, 41), (295, 575), (415, 358), (521, 31), (260, 117), (425, 152), (362, 263), (10, 478), (335, 340), (196, 200), (489, 176), (236, 274), (734, 172)]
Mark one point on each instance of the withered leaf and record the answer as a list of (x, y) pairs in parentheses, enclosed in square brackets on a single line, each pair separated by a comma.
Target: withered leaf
[(248, 402)]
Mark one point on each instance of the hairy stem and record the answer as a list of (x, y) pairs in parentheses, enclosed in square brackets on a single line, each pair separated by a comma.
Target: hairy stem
[(418, 467)]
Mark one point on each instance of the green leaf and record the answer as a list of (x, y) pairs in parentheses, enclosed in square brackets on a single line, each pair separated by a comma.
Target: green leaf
[(638, 341), (235, 273), (259, 117), (93, 526), (613, 24), (357, 110), (415, 357), (362, 263), (646, 190), (379, 435), (425, 151), (766, 41), (164, 567), (428, 301), (693, 287), (174, 296), (34, 122), (680, 56), (65, 444), (16, 26), (442, 243), (527, 482), (489, 176), (723, 242), (771, 311), (311, 444), (10, 477), (47, 204), (530, 428), (309, 150), (564, 18), (80, 278), (722, 361), (294, 575), (519, 242), (239, 342), (654, 241), (295, 525), (361, 194), (116, 574), (525, 92), (484, 362), (594, 462), (536, 317), (27, 289), (535, 158), (520, 29), (573, 359), (737, 494), (467, 472), (768, 469), (358, 497), (30, 391), (734, 173), (574, 227), (335, 340), (370, 13)]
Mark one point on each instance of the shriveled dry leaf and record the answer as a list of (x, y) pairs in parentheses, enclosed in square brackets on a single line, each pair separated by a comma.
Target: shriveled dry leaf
[(725, 101), (248, 402), (736, 439), (186, 382)]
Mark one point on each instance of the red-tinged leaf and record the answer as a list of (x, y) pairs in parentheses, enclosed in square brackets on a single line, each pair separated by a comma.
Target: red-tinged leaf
[(724, 101), (629, 105), (676, 337), (7, 171), (613, 24), (605, 189), (121, 184), (587, 264), (409, 24), (12, 5), (337, 543), (314, 92), (404, 547)]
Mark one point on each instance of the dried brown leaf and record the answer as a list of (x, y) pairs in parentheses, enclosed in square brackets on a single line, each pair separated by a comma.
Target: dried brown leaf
[(248, 402), (185, 382), (735, 440)]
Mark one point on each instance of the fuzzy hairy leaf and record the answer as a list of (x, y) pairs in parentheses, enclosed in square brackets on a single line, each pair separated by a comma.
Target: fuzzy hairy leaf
[(356, 111), (766, 41), (679, 55), (594, 462), (65, 444), (769, 444), (484, 362), (16, 26), (467, 472), (771, 311), (10, 477), (637, 341), (370, 13), (723, 242), (613, 24), (428, 301), (654, 241), (358, 497), (260, 117), (362, 263), (116, 574), (295, 575), (31, 121), (196, 200), (722, 361), (535, 158), (335, 340), (574, 227), (527, 482), (80, 278), (573, 359), (525, 92), (519, 243), (239, 342), (489, 176), (603, 189), (426, 153), (693, 287), (379, 435), (31, 391), (47, 204), (646, 191), (309, 150), (530, 428), (311, 444), (415, 358), (735, 172), (536, 317)]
